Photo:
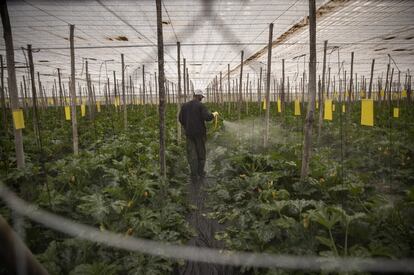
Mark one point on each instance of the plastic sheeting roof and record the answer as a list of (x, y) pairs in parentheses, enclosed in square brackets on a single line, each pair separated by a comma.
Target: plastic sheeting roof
[(212, 34)]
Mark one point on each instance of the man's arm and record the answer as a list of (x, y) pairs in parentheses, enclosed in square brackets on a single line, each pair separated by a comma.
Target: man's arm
[(207, 116)]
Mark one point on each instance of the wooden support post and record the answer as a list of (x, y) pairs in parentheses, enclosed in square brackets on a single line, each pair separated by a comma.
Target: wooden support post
[(167, 91), (61, 103), (246, 93), (269, 68), (259, 91), (303, 88), (161, 80), (54, 93), (250, 92), (188, 83), (240, 86), (3, 97), (115, 92), (178, 91), (221, 89), (123, 93), (72, 88), (150, 91), (351, 83), (34, 95), (91, 108), (356, 88), (11, 72), (108, 90), (232, 92), (409, 87), (288, 95), (390, 88), (131, 91), (215, 90), (228, 90), (307, 143), (185, 80), (40, 91), (321, 99), (282, 95), (371, 79), (143, 86), (399, 83), (156, 87), (106, 94), (22, 96), (328, 88)]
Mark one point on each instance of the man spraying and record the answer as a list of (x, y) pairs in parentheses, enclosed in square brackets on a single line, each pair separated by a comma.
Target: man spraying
[(192, 116)]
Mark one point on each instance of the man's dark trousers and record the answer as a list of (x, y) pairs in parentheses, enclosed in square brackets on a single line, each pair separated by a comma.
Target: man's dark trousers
[(196, 155)]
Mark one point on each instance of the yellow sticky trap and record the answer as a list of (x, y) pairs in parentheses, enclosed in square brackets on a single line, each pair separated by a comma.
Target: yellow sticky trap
[(343, 108), (264, 104), (98, 106), (396, 112), (367, 112), (333, 107), (404, 93), (279, 106), (382, 93), (67, 112), (297, 107), (18, 119), (215, 122), (317, 105), (328, 110), (117, 101), (83, 110)]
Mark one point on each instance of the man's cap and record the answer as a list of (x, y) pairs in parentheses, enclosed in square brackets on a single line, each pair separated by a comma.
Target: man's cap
[(199, 92)]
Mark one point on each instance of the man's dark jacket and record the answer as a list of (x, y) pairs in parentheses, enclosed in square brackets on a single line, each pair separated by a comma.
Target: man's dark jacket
[(192, 116)]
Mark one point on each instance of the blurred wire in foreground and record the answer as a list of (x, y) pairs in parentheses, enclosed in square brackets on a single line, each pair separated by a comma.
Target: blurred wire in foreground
[(202, 254)]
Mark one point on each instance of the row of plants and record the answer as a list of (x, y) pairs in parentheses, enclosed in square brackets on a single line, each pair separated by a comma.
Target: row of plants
[(113, 184), (357, 202)]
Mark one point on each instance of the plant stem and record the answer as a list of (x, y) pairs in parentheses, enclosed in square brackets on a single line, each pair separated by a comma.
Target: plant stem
[(333, 242), (346, 239)]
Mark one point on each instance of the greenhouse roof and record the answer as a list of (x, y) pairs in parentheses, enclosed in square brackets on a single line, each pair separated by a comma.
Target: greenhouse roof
[(212, 35)]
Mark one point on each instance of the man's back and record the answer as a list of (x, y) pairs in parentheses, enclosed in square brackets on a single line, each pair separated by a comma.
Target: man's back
[(192, 116)]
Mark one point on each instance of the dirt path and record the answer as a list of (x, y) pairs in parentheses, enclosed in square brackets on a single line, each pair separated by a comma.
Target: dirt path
[(205, 228)]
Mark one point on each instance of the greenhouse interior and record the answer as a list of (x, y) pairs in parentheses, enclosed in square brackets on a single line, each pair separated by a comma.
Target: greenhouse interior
[(207, 137)]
